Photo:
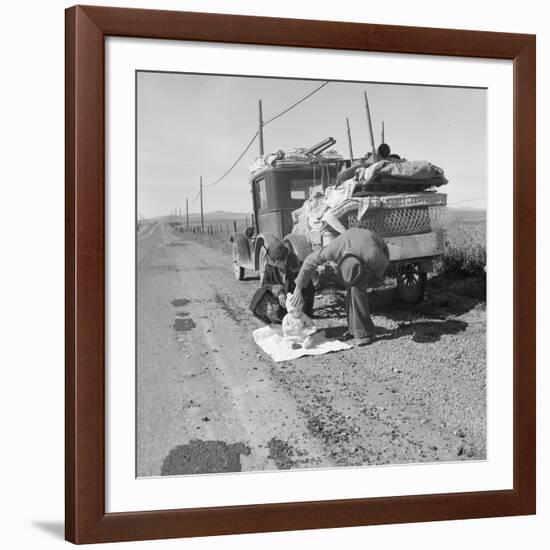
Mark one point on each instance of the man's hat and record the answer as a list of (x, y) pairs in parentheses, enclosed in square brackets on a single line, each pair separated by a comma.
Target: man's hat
[(277, 251), (351, 270)]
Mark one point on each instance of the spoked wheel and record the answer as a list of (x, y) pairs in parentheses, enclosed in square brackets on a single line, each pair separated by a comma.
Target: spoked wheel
[(238, 271), (411, 283)]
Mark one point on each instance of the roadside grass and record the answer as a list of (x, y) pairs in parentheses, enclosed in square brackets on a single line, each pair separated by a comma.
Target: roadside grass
[(466, 250), (218, 241)]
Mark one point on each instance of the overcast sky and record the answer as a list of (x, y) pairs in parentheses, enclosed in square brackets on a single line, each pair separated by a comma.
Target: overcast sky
[(197, 125)]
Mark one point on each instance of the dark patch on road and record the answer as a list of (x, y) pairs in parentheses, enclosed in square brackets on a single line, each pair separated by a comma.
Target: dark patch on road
[(183, 325), (204, 457), (182, 314), (283, 454), (180, 302), (179, 243)]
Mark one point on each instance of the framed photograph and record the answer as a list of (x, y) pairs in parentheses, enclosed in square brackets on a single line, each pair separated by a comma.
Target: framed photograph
[(300, 274)]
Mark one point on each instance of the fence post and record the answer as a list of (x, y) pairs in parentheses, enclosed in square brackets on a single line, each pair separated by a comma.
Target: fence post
[(235, 225)]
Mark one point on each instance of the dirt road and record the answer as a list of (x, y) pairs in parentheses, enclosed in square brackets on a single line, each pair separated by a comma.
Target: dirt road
[(209, 401)]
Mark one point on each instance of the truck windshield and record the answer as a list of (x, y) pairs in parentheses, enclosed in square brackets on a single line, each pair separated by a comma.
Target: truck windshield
[(261, 194)]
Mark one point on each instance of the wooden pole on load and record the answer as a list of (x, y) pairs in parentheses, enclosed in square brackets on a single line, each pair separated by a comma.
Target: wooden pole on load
[(260, 127), (383, 139), (369, 123), (202, 214), (187, 213), (349, 140)]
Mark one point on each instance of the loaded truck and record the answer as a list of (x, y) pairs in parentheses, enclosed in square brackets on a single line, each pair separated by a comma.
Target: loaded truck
[(399, 201)]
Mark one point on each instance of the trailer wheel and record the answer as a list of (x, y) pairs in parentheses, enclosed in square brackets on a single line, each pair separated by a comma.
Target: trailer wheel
[(238, 271), (411, 283)]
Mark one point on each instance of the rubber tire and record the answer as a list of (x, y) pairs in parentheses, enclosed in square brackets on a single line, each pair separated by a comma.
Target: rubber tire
[(412, 286)]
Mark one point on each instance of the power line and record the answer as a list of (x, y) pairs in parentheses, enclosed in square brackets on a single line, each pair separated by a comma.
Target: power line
[(196, 197), (236, 162), (284, 111)]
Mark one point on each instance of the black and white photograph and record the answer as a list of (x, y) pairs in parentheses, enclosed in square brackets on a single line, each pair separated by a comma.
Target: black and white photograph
[(310, 274), (275, 275)]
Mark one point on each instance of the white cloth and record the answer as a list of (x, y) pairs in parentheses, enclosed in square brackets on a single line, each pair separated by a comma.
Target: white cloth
[(272, 342), (337, 195)]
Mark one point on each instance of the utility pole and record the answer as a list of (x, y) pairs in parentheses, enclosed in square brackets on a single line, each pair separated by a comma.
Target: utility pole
[(187, 213), (260, 127), (349, 141), (383, 140), (369, 123), (202, 215), (179, 216)]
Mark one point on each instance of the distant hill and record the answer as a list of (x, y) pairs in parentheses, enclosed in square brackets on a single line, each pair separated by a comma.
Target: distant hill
[(216, 216), (468, 214)]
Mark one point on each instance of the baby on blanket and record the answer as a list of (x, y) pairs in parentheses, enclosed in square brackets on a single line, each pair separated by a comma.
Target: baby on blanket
[(297, 326)]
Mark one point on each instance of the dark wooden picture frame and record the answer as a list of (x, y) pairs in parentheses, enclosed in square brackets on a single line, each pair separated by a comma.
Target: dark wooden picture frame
[(86, 30)]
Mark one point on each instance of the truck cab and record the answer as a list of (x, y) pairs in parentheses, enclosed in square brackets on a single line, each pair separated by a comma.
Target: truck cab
[(277, 192)]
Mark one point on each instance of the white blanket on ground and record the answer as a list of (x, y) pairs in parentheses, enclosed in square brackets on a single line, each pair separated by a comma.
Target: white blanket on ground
[(271, 340)]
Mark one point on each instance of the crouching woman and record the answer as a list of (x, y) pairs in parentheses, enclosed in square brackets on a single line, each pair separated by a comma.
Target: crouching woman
[(281, 270)]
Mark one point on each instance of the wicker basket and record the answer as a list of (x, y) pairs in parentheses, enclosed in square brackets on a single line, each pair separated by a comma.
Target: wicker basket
[(402, 221)]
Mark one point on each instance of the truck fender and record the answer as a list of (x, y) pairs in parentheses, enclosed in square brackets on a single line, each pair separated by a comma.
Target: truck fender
[(241, 248), (299, 244)]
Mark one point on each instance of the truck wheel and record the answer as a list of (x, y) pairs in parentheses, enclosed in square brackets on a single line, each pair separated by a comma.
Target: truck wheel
[(411, 283), (238, 271)]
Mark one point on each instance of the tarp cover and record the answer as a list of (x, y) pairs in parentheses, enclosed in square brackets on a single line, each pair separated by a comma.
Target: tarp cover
[(400, 171)]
